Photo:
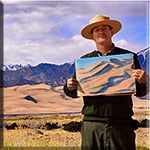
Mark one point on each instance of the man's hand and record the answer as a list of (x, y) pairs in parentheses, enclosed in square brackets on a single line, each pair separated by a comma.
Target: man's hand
[(140, 75), (72, 84)]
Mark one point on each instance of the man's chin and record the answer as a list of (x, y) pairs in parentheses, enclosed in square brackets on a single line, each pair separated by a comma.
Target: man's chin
[(102, 40)]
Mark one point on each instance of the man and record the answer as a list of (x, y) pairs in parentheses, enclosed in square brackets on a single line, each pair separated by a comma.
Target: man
[(107, 120)]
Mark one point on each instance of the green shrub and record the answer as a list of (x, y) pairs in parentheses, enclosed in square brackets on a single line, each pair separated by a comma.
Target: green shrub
[(73, 126)]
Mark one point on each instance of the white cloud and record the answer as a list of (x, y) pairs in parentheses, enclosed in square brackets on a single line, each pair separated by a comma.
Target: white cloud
[(50, 32), (121, 43), (129, 46)]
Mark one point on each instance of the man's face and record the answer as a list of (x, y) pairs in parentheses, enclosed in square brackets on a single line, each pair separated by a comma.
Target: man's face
[(102, 34)]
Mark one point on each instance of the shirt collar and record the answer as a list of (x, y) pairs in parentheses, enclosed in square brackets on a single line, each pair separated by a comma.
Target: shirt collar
[(109, 52)]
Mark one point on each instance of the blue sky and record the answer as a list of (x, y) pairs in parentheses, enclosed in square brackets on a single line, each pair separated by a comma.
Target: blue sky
[(49, 31)]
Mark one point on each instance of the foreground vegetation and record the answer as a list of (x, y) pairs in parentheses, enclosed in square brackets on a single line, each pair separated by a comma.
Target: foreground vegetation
[(23, 138)]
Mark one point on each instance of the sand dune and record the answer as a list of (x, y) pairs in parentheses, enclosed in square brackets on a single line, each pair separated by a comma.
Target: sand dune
[(48, 100)]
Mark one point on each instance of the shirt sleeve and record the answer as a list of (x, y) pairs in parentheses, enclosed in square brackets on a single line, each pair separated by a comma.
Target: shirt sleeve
[(141, 89), (69, 93)]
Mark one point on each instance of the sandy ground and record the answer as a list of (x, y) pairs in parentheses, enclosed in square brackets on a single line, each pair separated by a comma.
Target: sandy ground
[(50, 100)]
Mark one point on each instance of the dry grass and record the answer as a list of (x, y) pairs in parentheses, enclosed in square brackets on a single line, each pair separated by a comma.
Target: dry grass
[(29, 138), (57, 138), (50, 138), (143, 137)]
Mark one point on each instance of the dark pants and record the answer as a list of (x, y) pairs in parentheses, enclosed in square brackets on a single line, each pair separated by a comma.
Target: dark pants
[(102, 136)]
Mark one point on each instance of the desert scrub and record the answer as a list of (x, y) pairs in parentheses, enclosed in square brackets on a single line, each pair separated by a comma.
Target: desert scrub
[(31, 137), (57, 138), (41, 139), (44, 138), (143, 138), (39, 120)]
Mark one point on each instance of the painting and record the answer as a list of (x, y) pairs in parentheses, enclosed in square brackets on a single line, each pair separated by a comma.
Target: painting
[(105, 75)]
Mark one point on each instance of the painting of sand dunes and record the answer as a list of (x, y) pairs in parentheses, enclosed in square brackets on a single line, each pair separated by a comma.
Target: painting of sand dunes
[(105, 75)]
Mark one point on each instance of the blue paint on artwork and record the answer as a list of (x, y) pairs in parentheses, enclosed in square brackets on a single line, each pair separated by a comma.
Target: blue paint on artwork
[(120, 62), (101, 63), (86, 62), (112, 82), (106, 69)]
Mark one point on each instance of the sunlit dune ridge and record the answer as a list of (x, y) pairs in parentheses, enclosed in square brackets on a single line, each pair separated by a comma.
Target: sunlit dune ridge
[(48, 100)]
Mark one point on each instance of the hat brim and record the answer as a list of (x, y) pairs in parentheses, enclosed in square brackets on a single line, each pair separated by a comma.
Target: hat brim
[(86, 31)]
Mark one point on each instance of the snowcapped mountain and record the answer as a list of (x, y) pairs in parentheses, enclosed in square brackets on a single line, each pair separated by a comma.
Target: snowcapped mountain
[(13, 67), (54, 75)]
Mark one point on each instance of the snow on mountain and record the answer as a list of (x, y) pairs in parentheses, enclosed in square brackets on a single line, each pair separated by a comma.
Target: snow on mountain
[(14, 67)]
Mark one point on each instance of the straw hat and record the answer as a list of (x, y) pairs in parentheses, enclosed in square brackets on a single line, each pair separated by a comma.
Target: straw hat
[(100, 20)]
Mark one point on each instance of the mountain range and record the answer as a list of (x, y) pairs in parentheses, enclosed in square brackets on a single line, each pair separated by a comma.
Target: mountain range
[(51, 74)]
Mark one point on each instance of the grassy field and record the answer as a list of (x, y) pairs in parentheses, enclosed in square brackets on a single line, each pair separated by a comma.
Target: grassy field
[(27, 138)]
